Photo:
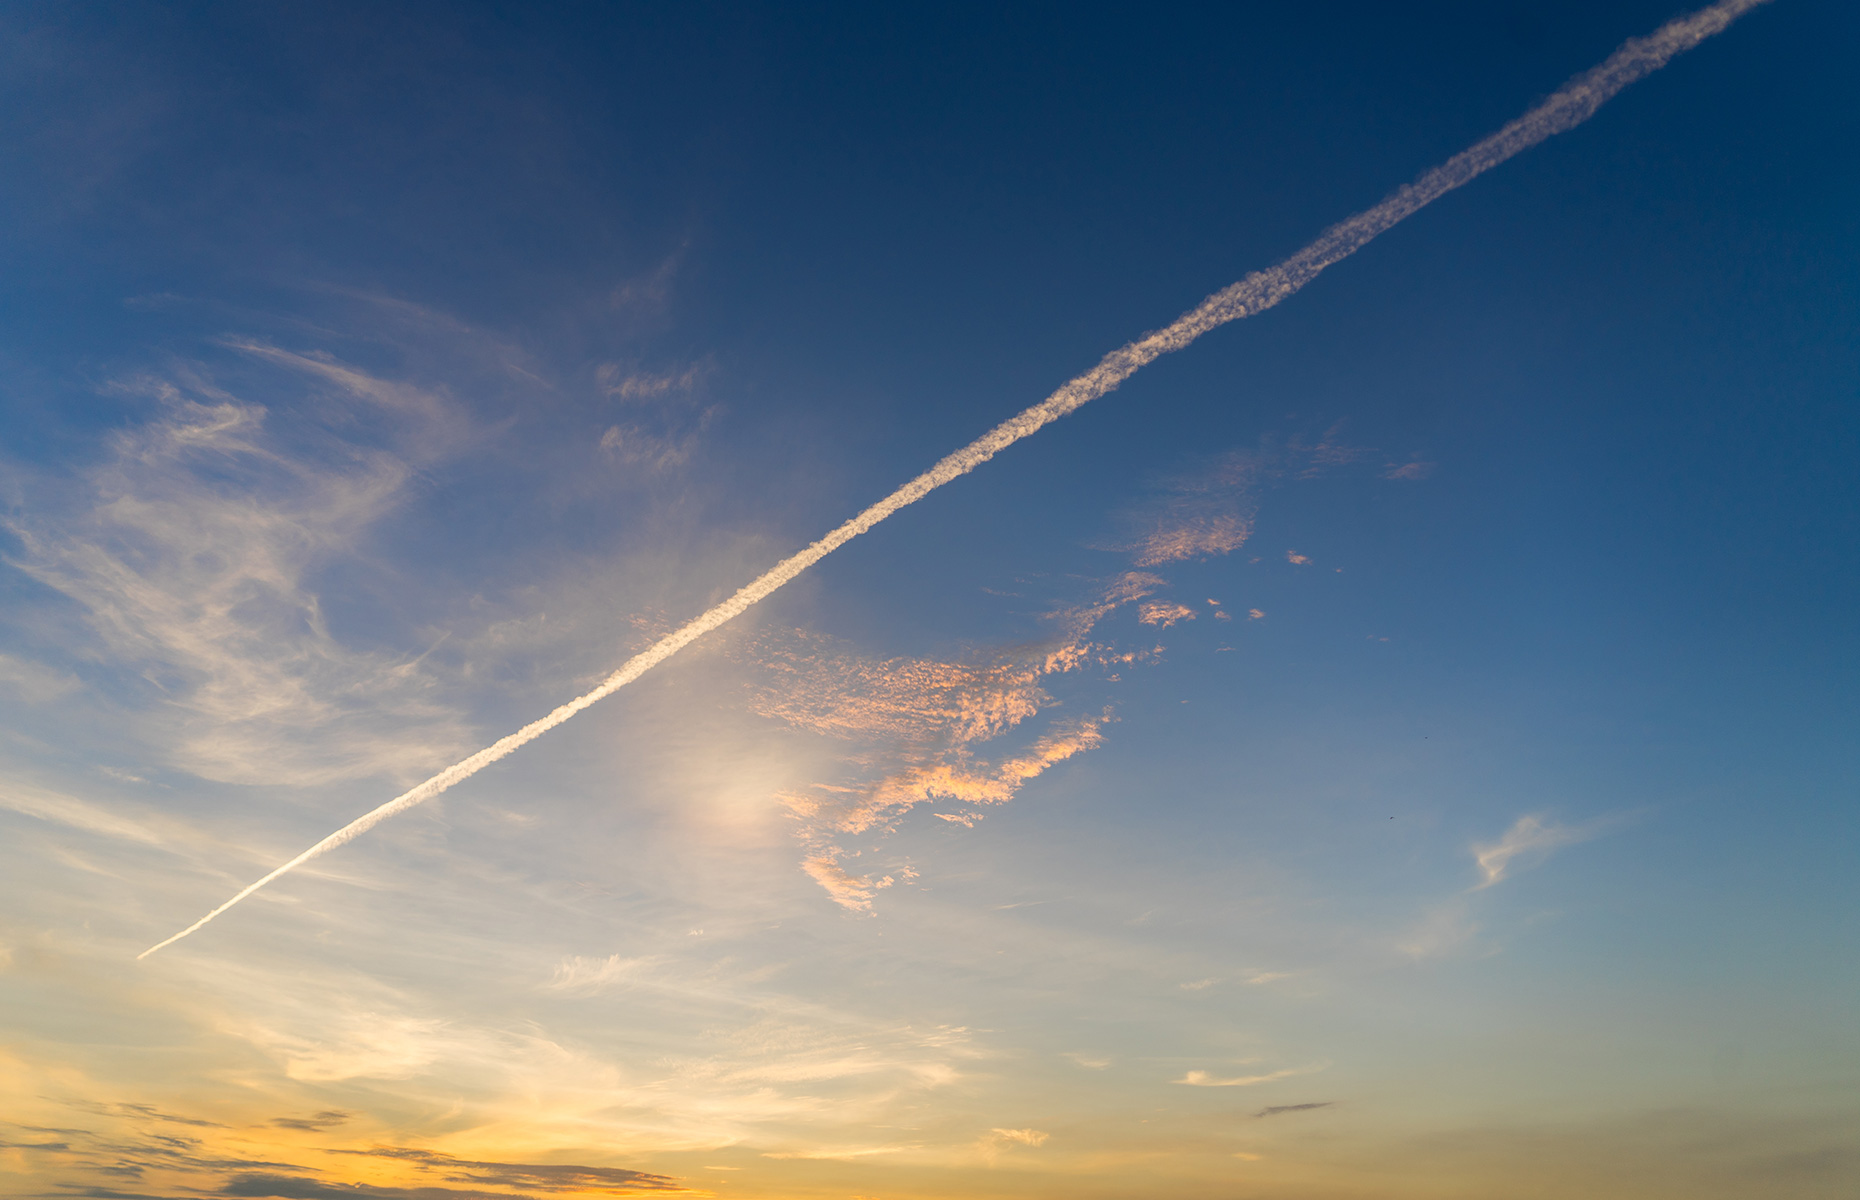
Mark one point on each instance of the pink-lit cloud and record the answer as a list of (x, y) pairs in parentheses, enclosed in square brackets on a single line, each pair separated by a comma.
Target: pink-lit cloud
[(1164, 613)]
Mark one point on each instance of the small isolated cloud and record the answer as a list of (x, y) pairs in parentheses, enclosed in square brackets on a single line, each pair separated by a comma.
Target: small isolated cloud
[(1206, 1079), (1409, 470), (625, 383), (315, 1123), (1164, 613), (1197, 986), (998, 1141), (1089, 1062), (1296, 559), (1255, 614), (582, 975), (848, 890), (1277, 1109), (1530, 838)]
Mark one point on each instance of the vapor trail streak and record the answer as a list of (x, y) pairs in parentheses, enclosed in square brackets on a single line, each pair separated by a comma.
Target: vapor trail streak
[(1571, 105)]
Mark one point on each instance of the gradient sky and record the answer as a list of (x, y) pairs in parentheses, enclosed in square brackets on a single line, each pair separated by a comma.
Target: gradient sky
[(1401, 746)]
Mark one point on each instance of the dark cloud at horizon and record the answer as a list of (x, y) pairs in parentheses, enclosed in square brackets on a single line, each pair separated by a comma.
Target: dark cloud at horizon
[(315, 1123), (544, 1176), (1276, 1109)]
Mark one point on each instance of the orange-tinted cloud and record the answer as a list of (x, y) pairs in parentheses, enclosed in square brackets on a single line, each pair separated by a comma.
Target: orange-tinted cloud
[(968, 782), (1164, 613), (918, 725), (1212, 511), (848, 890)]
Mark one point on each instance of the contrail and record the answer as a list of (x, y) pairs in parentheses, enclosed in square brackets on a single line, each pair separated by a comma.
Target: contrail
[(1569, 107)]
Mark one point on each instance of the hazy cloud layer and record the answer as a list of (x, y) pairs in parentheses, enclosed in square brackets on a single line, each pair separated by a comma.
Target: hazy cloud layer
[(192, 549)]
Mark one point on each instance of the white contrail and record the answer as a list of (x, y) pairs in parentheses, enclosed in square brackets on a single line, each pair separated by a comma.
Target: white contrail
[(1571, 105)]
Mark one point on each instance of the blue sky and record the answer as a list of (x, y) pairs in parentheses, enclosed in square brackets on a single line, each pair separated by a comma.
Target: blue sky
[(1400, 745)]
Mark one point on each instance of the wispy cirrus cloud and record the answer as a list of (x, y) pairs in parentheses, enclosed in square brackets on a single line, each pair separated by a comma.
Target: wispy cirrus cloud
[(665, 418), (583, 975), (838, 1153), (735, 1063), (1205, 513), (993, 1144), (1531, 838), (1212, 510), (1409, 471), (62, 809), (1200, 1078), (35, 682), (1451, 927), (191, 551)]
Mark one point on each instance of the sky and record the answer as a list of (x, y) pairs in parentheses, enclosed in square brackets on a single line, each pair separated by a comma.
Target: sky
[(1399, 745)]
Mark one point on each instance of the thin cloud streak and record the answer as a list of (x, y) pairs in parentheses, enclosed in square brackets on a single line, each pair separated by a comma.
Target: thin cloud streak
[(1206, 1079), (1529, 836), (1566, 108)]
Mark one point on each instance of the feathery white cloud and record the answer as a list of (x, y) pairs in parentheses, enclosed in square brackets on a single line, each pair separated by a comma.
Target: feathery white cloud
[(1532, 839), (192, 556)]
